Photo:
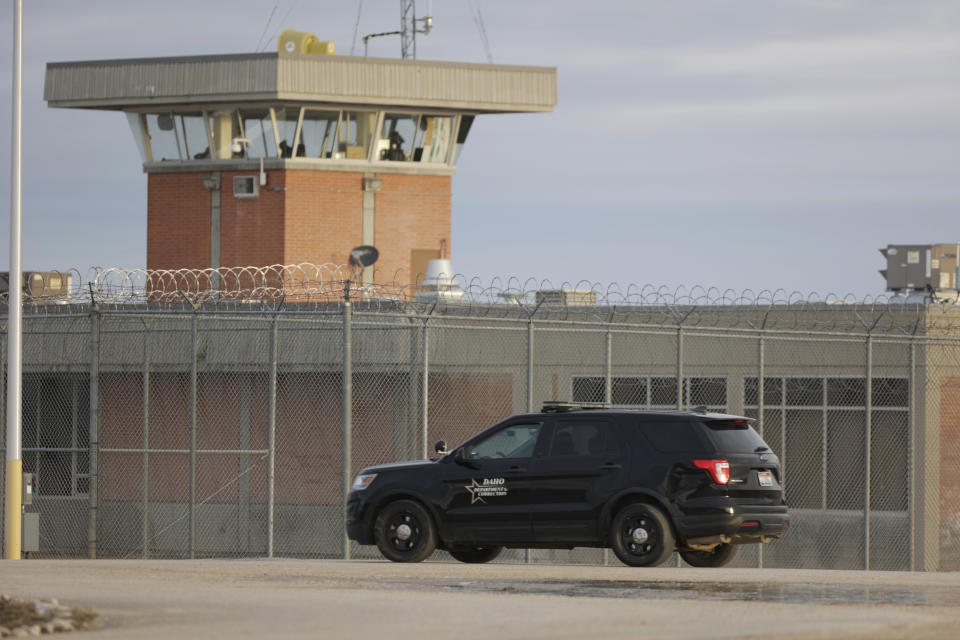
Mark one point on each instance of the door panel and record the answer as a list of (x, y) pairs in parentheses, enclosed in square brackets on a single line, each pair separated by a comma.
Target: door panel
[(487, 497), (583, 467), (490, 502)]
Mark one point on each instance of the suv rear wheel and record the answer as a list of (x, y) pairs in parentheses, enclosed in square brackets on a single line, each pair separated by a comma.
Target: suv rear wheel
[(404, 532), (476, 555), (641, 535), (719, 556)]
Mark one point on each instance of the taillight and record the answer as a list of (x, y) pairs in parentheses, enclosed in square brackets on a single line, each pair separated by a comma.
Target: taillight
[(719, 469)]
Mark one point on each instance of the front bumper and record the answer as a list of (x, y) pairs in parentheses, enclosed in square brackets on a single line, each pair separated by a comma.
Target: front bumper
[(358, 529)]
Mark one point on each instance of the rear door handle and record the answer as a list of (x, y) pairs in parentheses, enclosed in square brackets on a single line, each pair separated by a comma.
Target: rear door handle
[(611, 465), (517, 469)]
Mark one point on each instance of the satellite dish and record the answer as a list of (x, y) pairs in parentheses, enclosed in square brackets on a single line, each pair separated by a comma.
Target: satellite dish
[(364, 255), (165, 122)]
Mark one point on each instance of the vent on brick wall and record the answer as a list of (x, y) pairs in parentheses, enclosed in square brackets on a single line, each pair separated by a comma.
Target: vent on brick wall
[(245, 187)]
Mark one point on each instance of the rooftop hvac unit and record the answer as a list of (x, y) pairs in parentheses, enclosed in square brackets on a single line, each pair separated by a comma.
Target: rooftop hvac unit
[(567, 297), (40, 285), (920, 267)]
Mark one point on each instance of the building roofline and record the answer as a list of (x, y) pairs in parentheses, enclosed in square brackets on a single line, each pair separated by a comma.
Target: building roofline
[(297, 56), (137, 83)]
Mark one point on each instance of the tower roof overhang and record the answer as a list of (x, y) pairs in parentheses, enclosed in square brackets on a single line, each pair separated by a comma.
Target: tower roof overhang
[(146, 83)]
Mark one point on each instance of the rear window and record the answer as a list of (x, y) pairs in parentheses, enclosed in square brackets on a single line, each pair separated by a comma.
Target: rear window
[(734, 436), (672, 437)]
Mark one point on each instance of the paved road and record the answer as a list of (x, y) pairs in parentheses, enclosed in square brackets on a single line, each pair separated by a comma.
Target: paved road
[(336, 599)]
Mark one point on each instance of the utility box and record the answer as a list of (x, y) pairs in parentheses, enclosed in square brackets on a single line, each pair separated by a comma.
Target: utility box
[(27, 489), (30, 538)]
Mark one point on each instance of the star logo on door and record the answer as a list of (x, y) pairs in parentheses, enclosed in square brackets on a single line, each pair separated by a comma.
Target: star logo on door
[(475, 490)]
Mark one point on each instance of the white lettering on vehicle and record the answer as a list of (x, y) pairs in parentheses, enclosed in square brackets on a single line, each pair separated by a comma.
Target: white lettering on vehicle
[(486, 488)]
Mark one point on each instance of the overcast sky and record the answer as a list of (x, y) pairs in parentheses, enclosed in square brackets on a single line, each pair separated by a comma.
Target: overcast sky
[(744, 144)]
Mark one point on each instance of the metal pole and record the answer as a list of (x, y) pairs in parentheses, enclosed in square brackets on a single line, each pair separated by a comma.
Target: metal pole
[(866, 457), (530, 365), (347, 418), (426, 392), (526, 552), (760, 383), (193, 435), (680, 368), (14, 508), (608, 368), (676, 556), (409, 445), (272, 434), (607, 394), (94, 495), (911, 450), (760, 409), (146, 443)]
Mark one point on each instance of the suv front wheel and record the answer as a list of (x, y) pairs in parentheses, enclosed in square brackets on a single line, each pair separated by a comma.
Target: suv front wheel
[(641, 535), (404, 532)]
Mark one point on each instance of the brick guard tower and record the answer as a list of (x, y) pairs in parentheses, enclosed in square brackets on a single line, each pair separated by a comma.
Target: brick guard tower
[(276, 158)]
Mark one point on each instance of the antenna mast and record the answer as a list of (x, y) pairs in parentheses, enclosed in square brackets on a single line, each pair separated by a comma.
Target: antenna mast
[(408, 29)]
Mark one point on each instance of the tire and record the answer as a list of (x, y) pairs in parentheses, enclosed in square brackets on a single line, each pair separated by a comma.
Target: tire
[(641, 535), (721, 555), (476, 555), (404, 532)]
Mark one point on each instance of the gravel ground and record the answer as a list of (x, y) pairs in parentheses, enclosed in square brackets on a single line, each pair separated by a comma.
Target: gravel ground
[(334, 599)]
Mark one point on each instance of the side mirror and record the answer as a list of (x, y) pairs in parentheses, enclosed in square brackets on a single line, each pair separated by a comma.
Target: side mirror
[(460, 457), (440, 448)]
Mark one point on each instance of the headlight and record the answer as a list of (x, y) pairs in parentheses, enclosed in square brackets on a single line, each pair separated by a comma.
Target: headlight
[(363, 481)]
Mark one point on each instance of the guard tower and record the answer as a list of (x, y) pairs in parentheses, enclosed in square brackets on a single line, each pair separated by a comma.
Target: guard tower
[(283, 158)]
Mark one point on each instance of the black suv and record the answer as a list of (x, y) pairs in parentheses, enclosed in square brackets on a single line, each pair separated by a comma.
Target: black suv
[(644, 483)]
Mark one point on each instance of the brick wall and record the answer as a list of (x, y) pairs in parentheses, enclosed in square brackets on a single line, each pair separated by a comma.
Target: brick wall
[(950, 447), (413, 212), (178, 221), (324, 216), (300, 216), (252, 231)]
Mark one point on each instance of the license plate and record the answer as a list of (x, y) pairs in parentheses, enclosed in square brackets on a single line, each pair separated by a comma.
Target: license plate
[(765, 478)]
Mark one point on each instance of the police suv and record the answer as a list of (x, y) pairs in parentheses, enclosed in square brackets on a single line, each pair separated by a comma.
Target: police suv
[(644, 483)]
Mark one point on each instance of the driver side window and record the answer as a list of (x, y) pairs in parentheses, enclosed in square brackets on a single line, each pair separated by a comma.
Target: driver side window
[(515, 441)]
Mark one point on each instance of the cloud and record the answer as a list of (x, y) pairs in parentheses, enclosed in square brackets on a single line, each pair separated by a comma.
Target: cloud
[(892, 51), (825, 110)]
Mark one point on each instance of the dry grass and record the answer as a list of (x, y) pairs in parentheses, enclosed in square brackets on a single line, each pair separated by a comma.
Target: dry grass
[(82, 618), (15, 613)]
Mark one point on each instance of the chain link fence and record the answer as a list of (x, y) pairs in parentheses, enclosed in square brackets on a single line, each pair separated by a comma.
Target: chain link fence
[(213, 429)]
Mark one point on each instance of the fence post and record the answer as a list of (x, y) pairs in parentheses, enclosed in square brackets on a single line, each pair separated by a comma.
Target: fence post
[(607, 392), (866, 469), (608, 367), (676, 556), (911, 450), (409, 445), (94, 488), (347, 418), (530, 365), (760, 409), (272, 432), (193, 434), (425, 390), (680, 367), (146, 442), (526, 552)]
